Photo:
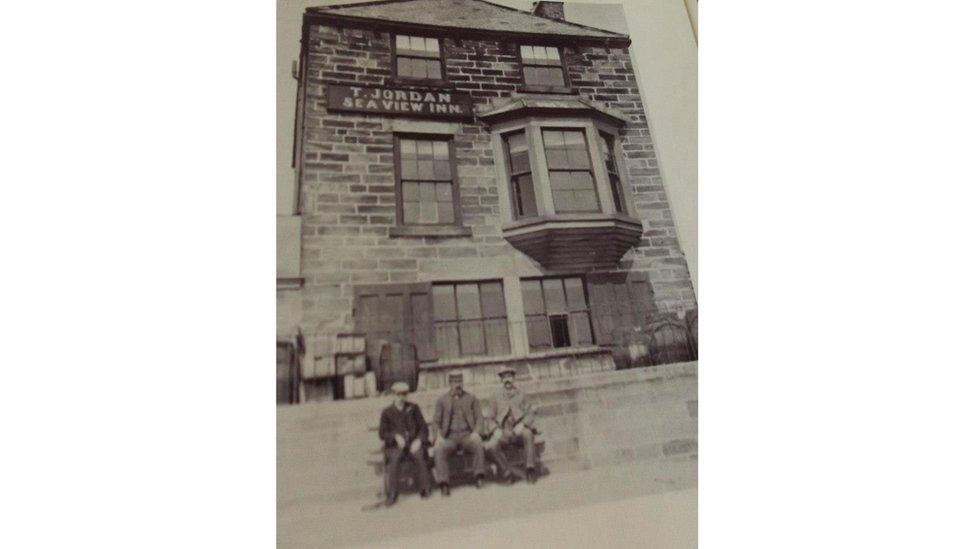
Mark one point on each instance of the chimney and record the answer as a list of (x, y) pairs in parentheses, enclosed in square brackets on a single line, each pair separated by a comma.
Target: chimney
[(549, 10)]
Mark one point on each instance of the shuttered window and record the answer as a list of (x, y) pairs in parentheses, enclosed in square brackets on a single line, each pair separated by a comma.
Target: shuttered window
[(542, 66), (400, 313), (470, 319), (417, 58), (621, 303), (570, 171), (556, 313)]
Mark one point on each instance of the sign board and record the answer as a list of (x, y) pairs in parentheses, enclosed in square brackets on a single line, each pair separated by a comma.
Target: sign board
[(397, 101)]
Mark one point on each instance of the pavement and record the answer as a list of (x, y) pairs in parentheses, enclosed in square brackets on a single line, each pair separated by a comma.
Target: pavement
[(667, 507)]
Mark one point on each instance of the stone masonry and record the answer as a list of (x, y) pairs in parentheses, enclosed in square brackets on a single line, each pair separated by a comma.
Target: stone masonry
[(347, 174)]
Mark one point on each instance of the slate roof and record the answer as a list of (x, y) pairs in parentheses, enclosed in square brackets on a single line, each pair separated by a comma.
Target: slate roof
[(516, 106), (463, 14)]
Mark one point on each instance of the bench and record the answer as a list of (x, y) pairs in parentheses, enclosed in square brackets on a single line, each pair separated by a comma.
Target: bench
[(461, 464)]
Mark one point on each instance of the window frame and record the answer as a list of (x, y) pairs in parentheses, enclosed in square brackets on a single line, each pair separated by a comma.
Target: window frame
[(548, 315), (591, 170), (398, 177), (511, 176), (482, 318), (616, 190), (567, 86), (397, 78)]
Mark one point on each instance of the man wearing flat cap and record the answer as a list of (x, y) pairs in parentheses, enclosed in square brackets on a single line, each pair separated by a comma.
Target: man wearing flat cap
[(459, 422), (404, 433), (511, 420)]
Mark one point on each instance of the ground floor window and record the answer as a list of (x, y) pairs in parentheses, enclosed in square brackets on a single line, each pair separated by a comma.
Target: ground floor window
[(557, 314), (470, 319)]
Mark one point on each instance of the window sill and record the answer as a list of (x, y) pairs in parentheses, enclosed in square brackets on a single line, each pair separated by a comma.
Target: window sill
[(566, 90), (533, 355), (442, 84), (431, 230)]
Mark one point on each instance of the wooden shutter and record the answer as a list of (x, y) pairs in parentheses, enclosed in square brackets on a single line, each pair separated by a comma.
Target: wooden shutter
[(396, 313), (619, 303)]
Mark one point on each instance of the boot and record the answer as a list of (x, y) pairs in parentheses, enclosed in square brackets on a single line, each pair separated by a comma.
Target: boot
[(445, 489)]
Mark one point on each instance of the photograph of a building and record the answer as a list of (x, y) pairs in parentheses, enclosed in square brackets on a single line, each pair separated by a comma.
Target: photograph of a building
[(477, 190)]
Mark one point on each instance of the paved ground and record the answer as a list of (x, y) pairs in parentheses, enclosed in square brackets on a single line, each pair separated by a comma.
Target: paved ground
[(327, 524)]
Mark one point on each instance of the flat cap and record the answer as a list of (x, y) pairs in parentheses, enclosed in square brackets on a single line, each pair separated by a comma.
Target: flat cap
[(454, 374), (400, 387), (506, 370)]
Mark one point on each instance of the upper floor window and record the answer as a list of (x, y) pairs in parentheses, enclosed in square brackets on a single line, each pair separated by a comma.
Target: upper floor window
[(542, 66), (425, 183), (520, 175), (417, 58), (470, 319), (570, 171), (609, 159)]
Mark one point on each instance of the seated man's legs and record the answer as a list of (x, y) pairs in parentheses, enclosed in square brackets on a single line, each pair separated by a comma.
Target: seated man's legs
[(528, 440), (494, 448), (391, 479), (419, 455), (443, 449), (472, 445)]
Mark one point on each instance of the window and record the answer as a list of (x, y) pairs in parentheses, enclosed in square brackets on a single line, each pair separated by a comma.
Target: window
[(470, 319), (570, 172), (520, 175), (606, 151), (556, 313), (426, 189), (417, 58), (542, 66)]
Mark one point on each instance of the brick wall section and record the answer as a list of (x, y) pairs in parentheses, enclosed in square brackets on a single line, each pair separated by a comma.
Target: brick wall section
[(347, 191), (329, 450)]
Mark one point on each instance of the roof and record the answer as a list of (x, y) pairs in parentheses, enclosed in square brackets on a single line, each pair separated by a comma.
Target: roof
[(476, 15), (523, 106)]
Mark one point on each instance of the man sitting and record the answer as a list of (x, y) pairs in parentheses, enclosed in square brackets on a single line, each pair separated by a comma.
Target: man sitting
[(510, 420), (458, 419), (404, 432)]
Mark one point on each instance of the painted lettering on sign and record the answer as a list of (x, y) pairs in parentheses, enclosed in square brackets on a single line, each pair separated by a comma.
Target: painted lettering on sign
[(369, 99)]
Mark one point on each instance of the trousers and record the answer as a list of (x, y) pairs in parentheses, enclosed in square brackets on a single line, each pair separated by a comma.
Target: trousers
[(393, 458), (445, 447), (501, 439)]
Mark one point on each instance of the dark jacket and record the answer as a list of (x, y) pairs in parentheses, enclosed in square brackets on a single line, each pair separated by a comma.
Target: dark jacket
[(410, 423), (470, 407)]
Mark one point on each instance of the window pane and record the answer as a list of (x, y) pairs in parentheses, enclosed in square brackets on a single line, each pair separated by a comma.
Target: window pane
[(532, 76), (617, 192), (411, 192), (526, 51), (428, 212), (417, 43), (552, 77), (433, 69), (553, 138), (408, 168), (555, 299), (560, 331), (563, 201), (447, 341), (440, 150), (525, 196), (574, 139), (585, 201), (492, 299), (539, 52), (442, 170), (444, 302), (552, 53), (444, 193), (469, 302), (431, 45), (581, 181), (472, 337), (425, 169), (537, 329), (580, 333), (575, 298), (496, 332), (561, 181), (408, 148), (445, 212), (411, 212), (520, 162), (425, 149), (402, 42), (532, 297)]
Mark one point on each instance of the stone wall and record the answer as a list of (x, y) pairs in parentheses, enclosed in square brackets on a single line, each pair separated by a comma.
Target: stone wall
[(347, 178), (327, 451)]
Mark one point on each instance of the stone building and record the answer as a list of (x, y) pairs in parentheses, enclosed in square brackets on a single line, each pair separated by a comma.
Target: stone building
[(477, 186)]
